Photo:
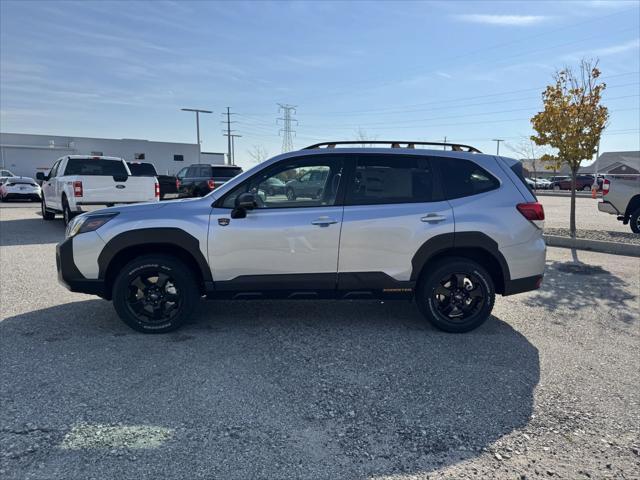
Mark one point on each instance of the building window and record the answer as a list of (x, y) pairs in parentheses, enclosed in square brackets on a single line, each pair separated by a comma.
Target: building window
[(178, 158), (97, 154), (139, 156)]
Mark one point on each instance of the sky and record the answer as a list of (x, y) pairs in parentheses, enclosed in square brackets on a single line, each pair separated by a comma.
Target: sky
[(469, 71)]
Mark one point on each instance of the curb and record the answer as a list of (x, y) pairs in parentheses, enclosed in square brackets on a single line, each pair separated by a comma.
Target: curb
[(551, 193), (627, 249)]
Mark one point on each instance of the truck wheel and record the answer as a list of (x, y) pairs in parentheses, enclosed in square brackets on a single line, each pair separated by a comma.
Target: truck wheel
[(634, 221), (456, 295), (155, 293), (46, 214), (67, 214)]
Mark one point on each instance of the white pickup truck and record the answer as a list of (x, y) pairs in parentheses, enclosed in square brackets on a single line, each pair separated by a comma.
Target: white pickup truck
[(621, 197), (77, 183)]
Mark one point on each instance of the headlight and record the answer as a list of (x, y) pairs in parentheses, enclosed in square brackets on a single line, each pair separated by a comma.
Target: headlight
[(87, 223)]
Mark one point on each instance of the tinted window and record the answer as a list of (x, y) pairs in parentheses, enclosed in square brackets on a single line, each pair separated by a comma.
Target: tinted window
[(142, 169), (226, 172), (462, 178), (391, 179), (293, 190), (90, 166), (54, 169)]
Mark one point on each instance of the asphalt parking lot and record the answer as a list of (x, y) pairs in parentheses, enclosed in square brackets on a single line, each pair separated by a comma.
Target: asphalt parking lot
[(556, 211), (547, 388)]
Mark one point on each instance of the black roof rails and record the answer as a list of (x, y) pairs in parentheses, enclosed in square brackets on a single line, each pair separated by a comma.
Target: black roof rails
[(456, 147)]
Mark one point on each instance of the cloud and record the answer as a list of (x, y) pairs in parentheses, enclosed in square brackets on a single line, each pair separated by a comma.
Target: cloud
[(504, 20), (605, 51), (444, 75)]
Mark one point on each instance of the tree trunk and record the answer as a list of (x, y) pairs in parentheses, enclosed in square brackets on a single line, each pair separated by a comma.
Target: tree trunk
[(572, 215)]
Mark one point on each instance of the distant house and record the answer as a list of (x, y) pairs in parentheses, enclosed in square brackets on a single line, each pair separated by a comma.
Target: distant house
[(614, 163), (608, 163)]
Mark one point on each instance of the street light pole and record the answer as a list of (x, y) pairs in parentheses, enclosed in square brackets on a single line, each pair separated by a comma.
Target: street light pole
[(497, 140), (198, 112)]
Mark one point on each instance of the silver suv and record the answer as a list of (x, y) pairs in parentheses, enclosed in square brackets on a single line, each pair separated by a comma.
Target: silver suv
[(449, 229)]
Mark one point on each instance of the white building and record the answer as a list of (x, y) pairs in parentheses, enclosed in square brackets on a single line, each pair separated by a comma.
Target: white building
[(25, 154)]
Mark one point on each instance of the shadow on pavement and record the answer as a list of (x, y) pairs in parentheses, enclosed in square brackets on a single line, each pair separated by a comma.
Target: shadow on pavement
[(30, 231), (580, 286), (265, 389)]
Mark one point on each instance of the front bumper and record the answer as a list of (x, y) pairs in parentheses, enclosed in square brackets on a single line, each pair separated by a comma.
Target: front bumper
[(70, 277)]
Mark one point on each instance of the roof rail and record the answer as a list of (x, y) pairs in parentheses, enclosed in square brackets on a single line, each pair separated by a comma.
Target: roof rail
[(456, 147)]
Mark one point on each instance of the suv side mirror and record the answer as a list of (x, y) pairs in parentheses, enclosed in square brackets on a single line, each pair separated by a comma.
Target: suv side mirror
[(246, 201), (41, 176)]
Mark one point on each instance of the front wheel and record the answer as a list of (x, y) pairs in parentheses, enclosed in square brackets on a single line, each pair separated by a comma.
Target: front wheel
[(291, 195), (456, 295), (67, 215), (155, 293), (586, 188), (634, 221), (46, 214)]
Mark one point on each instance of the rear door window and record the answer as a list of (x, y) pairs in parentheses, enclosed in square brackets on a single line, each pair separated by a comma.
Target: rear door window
[(388, 179), (95, 167), (463, 178)]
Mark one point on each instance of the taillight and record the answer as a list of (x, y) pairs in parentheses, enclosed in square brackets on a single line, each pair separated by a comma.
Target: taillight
[(605, 186), (157, 190), (533, 211), (211, 184), (77, 188), (177, 183)]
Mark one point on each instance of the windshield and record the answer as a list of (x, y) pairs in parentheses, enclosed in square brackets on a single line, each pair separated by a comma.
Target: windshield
[(142, 169), (98, 167)]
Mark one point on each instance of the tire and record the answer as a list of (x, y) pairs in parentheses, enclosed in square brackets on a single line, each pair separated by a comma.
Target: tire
[(455, 295), (67, 214), (147, 306), (291, 195), (634, 221), (556, 188), (270, 192), (46, 214), (586, 188)]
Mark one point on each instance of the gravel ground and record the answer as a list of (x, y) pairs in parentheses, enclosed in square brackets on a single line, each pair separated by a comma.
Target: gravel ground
[(602, 235), (588, 217), (547, 388)]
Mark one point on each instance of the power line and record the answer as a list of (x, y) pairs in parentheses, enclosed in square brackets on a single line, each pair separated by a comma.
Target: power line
[(286, 131)]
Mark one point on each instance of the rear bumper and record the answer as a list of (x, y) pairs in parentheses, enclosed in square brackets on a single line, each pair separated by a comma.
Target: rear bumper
[(520, 285), (607, 207), (70, 277), (22, 196)]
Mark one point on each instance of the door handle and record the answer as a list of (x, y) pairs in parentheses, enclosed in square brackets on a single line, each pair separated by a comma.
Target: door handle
[(324, 221), (433, 218)]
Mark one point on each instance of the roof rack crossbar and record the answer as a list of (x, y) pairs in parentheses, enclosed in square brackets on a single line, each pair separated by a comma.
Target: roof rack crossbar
[(456, 147)]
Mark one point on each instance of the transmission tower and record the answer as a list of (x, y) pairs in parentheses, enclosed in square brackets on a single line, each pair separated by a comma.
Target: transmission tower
[(286, 132)]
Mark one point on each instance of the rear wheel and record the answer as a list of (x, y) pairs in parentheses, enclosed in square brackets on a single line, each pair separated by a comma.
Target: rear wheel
[(67, 214), (556, 188), (634, 221), (456, 295), (155, 293), (46, 213), (586, 188), (291, 195)]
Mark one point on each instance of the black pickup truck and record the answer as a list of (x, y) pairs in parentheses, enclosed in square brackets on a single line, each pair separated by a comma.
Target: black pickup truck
[(200, 178), (143, 169)]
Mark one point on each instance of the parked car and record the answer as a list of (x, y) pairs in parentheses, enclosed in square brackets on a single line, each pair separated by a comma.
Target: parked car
[(530, 183), (199, 179), (76, 183), (19, 188), (310, 184), (144, 169), (6, 173), (273, 186), (447, 229), (583, 182), (542, 183), (621, 197)]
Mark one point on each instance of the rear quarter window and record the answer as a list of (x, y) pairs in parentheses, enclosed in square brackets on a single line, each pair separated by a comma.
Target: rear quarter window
[(95, 167), (463, 178)]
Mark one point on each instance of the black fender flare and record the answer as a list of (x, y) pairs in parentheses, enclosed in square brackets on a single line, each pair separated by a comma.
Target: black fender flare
[(451, 241), (156, 236)]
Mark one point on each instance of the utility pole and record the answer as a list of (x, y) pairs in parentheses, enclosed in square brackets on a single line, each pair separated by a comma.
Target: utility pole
[(444, 147), (286, 131), (233, 147), (228, 134), (497, 140), (198, 112)]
